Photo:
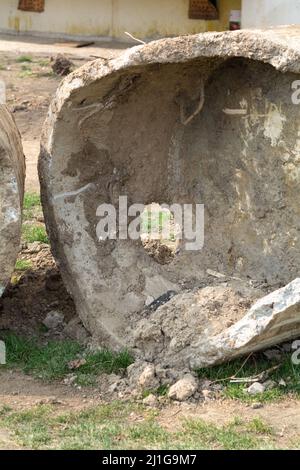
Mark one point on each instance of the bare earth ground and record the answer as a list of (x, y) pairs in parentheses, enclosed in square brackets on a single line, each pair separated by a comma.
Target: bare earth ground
[(30, 85), (23, 393), (29, 94)]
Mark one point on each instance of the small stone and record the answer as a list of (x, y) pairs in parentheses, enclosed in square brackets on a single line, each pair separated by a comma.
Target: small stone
[(282, 383), (269, 384), (257, 405), (256, 388), (273, 354), (113, 387), (286, 347), (54, 401), (70, 379), (217, 387), (207, 394), (54, 320), (34, 247), (75, 330), (205, 384), (150, 400), (184, 388), (148, 380)]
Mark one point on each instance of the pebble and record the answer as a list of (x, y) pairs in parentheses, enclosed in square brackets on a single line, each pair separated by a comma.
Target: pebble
[(184, 388), (256, 388)]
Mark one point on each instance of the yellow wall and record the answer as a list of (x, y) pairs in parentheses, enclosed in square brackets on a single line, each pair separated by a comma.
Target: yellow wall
[(110, 18)]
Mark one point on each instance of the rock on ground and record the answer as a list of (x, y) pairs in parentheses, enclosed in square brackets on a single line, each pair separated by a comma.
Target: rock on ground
[(184, 388), (256, 388), (54, 320)]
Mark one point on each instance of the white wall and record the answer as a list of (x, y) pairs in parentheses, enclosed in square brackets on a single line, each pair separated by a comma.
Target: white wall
[(264, 13), (110, 18), (67, 16)]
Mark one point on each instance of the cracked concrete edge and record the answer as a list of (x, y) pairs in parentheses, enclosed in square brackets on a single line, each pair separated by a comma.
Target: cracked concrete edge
[(11, 194), (278, 47), (272, 320)]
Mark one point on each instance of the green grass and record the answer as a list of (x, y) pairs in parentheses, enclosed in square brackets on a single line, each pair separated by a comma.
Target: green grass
[(34, 233), (256, 364), (22, 265), (26, 71), (111, 426), (24, 58), (31, 200), (50, 361), (156, 222), (31, 230), (43, 62), (161, 391), (32, 206)]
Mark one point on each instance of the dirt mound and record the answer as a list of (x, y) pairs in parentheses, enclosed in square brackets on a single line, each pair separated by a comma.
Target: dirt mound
[(188, 317), (34, 293)]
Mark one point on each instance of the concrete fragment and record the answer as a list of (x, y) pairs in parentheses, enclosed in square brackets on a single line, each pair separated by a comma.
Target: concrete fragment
[(256, 388), (54, 320), (12, 176), (144, 125), (151, 400), (184, 388), (75, 330), (273, 319), (257, 405), (148, 380), (269, 384)]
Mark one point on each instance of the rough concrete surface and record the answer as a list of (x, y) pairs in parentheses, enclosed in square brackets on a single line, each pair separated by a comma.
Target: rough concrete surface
[(196, 334), (198, 119), (12, 175)]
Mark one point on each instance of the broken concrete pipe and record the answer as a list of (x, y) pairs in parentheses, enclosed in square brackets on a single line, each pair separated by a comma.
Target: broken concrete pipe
[(12, 177), (197, 119)]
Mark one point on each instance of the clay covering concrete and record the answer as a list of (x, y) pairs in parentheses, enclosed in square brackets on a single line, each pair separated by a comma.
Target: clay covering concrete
[(198, 119), (12, 176)]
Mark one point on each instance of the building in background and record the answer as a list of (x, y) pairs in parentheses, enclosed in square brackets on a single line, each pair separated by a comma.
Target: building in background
[(266, 13), (111, 18)]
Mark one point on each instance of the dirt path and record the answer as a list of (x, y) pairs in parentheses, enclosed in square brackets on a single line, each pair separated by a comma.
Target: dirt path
[(6, 443), (30, 85), (21, 392), (24, 44), (283, 416)]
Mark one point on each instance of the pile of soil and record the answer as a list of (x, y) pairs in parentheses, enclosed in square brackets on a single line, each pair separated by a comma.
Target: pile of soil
[(186, 318), (160, 252), (31, 295)]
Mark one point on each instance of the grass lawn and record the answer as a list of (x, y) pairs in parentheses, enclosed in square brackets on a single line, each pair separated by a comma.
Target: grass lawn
[(122, 425)]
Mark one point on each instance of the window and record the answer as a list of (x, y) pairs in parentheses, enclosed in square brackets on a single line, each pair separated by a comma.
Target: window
[(203, 10), (37, 6)]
